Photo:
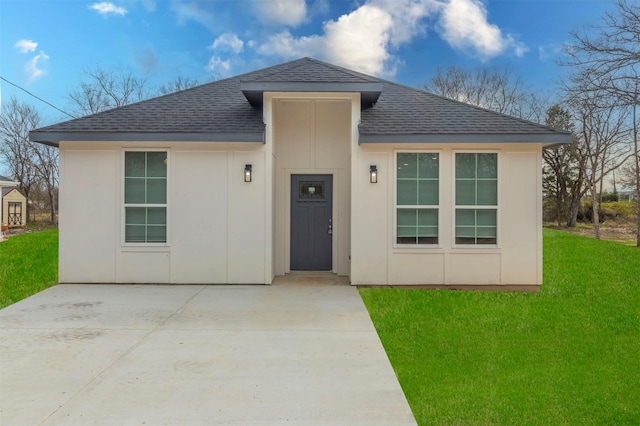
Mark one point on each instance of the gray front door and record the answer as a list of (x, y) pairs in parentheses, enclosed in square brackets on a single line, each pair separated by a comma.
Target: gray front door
[(311, 222)]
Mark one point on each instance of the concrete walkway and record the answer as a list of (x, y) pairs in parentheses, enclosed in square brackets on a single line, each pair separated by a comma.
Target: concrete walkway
[(185, 355)]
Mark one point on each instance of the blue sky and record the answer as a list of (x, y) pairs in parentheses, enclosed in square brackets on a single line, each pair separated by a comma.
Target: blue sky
[(46, 44)]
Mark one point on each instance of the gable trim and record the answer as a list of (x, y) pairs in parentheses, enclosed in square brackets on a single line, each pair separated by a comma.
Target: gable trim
[(254, 90), (54, 138), (545, 139)]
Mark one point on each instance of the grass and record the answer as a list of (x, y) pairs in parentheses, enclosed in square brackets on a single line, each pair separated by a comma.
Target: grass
[(29, 265), (567, 355)]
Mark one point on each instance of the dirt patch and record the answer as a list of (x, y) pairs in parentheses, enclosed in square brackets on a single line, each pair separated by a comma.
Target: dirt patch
[(619, 232), (32, 227)]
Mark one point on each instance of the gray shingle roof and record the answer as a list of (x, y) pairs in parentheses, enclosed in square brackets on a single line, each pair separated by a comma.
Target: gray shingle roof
[(219, 111)]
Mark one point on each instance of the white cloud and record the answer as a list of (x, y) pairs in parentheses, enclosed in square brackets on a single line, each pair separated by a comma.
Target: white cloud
[(217, 64), (26, 46), (287, 46), (408, 17), (34, 68), (107, 8), (281, 12), (550, 51), (464, 25), (367, 38), (196, 11), (358, 40), (228, 42)]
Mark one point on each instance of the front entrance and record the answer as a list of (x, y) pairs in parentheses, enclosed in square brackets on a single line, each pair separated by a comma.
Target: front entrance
[(311, 222)]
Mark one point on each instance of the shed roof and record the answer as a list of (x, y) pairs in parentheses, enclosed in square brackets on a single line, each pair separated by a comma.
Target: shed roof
[(230, 110), (7, 189)]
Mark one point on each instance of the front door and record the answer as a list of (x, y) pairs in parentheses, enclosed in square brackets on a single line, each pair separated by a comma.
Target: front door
[(311, 222)]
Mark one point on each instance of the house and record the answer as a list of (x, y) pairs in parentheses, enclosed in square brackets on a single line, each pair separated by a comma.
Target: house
[(13, 205), (301, 166)]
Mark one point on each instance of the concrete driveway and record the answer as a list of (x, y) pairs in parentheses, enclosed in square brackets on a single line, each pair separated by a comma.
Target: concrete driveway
[(184, 355)]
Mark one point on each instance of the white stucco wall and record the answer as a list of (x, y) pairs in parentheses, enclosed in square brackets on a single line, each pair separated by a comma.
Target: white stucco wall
[(216, 222), (515, 260), (223, 230)]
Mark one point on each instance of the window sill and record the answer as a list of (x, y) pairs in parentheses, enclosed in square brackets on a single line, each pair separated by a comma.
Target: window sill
[(142, 247)]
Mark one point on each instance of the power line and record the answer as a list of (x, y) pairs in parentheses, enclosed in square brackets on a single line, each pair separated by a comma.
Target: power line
[(37, 97)]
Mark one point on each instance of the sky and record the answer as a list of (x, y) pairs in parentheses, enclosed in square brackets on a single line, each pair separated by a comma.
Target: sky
[(45, 45)]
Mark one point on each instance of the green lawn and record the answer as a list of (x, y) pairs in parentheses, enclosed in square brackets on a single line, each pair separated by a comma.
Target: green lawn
[(567, 355), (28, 264)]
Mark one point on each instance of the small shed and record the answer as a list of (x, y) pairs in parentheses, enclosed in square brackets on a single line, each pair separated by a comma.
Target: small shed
[(13, 210)]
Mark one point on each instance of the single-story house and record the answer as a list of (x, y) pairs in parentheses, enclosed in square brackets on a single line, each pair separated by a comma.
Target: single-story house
[(13, 204), (296, 167)]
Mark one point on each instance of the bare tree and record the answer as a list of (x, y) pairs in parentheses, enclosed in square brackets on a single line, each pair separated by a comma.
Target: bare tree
[(46, 164), (609, 55), (16, 121), (177, 84), (498, 90), (31, 164), (603, 142), (559, 163), (103, 89)]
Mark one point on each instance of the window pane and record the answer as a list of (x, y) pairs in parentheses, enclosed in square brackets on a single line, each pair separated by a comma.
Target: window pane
[(406, 217), (487, 165), (407, 193), (489, 231), (135, 216), (156, 164), (134, 190), (407, 165), (465, 192), (427, 231), (428, 193), (465, 240), (428, 217), (465, 231), (157, 215), (134, 163), (407, 231), (465, 217), (475, 226), (465, 165), (406, 240), (486, 217), (156, 191), (156, 234), (487, 193), (487, 241), (428, 165), (135, 234)]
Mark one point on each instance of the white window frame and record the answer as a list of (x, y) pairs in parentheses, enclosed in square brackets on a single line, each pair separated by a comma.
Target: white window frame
[(123, 214), (437, 207), (497, 207)]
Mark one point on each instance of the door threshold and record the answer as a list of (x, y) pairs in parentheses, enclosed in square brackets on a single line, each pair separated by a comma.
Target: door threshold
[(311, 278)]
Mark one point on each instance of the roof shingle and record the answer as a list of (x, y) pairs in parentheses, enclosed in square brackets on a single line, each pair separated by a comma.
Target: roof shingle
[(218, 111)]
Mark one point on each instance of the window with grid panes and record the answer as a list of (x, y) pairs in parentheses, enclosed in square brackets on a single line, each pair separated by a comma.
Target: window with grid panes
[(417, 198), (476, 200), (145, 196)]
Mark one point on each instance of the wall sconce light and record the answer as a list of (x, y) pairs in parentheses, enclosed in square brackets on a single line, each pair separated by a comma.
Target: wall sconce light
[(373, 174), (247, 173)]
